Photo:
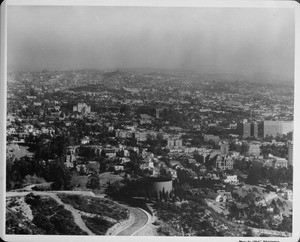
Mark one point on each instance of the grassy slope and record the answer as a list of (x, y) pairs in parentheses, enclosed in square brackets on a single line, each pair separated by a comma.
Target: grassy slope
[(95, 205), (100, 208), (48, 218)]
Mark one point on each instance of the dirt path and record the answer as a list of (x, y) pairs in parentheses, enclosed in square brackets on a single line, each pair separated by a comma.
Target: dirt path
[(77, 218), (141, 217)]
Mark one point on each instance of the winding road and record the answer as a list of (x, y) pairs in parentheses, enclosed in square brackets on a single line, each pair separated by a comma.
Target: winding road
[(140, 217), (140, 221)]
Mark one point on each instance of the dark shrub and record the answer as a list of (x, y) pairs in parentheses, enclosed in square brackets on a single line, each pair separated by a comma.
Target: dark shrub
[(43, 222)]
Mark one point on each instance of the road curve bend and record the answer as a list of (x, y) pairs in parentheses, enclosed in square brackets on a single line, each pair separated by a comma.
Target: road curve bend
[(140, 220)]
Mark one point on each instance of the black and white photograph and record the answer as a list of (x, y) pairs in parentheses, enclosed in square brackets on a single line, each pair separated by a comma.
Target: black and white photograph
[(141, 119)]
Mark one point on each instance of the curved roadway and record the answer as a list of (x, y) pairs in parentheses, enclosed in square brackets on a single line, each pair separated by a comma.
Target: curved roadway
[(140, 220), (140, 216)]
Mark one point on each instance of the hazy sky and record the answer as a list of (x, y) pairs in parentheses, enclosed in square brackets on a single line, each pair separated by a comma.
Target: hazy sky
[(231, 40)]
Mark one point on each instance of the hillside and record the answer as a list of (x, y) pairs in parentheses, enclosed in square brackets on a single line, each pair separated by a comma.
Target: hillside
[(48, 213)]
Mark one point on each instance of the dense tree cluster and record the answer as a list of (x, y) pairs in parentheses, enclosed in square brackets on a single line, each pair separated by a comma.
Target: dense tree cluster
[(279, 151), (241, 148), (47, 163), (188, 217), (93, 181), (54, 171), (258, 173)]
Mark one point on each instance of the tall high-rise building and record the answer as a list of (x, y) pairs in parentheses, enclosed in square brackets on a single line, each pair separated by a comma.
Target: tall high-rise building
[(254, 129), (274, 128), (244, 129), (290, 152), (260, 127), (247, 129), (287, 127)]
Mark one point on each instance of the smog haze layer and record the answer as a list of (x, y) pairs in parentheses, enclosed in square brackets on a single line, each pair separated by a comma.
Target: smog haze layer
[(253, 42)]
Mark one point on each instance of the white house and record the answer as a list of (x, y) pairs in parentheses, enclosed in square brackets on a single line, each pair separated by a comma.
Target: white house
[(231, 179), (85, 140)]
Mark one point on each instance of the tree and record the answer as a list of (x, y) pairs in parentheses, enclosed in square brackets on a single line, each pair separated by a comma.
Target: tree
[(249, 233), (93, 182), (255, 174), (164, 174), (60, 175), (9, 172), (125, 109), (244, 148), (81, 171), (103, 153), (286, 224)]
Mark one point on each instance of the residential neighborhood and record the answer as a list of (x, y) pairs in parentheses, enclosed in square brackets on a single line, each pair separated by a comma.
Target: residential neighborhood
[(236, 157), (150, 118)]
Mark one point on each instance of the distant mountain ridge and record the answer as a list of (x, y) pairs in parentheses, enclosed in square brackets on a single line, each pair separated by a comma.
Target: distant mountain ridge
[(116, 78)]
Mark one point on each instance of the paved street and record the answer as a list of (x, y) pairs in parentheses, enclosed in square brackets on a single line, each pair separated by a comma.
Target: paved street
[(140, 221)]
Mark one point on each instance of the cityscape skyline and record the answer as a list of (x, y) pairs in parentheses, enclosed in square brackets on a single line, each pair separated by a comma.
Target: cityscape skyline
[(163, 120)]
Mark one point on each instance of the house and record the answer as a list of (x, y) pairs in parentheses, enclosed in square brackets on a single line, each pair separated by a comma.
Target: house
[(174, 143), (69, 161), (81, 168), (288, 195), (123, 134), (234, 154), (10, 119), (146, 116), (174, 163), (270, 209), (173, 172), (231, 179), (220, 196), (280, 163), (82, 108), (37, 104), (119, 168), (202, 169), (254, 149), (148, 164), (28, 127), (141, 135), (110, 153), (11, 130), (124, 160), (210, 137), (85, 140), (224, 197), (222, 162), (126, 153)]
